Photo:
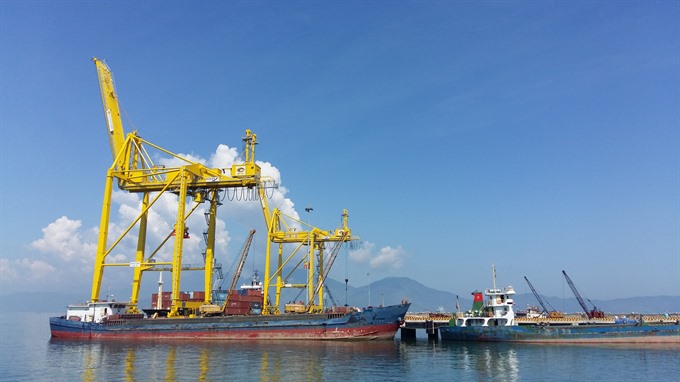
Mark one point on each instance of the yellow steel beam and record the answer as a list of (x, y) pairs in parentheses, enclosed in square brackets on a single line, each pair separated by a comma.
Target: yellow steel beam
[(101, 241), (111, 107), (139, 256), (210, 247), (179, 242)]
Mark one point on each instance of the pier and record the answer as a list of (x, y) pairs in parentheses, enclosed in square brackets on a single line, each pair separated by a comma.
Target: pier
[(428, 321)]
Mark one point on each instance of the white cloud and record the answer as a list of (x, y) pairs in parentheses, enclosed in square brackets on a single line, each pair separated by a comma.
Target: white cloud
[(223, 157), (64, 238), (363, 253), (75, 246), (389, 257), (22, 270), (386, 257), (7, 271)]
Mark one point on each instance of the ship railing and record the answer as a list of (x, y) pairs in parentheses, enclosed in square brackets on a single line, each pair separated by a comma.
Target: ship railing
[(117, 319), (421, 317), (335, 315)]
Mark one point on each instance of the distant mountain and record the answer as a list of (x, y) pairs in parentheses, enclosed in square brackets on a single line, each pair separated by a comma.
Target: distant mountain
[(392, 290), (388, 291)]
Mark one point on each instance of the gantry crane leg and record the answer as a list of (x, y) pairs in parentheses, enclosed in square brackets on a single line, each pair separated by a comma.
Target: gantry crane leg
[(139, 257), (179, 241), (210, 247), (101, 241)]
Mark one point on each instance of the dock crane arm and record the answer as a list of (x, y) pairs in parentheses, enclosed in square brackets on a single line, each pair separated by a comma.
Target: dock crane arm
[(538, 297), (330, 295), (111, 108), (590, 314), (239, 268)]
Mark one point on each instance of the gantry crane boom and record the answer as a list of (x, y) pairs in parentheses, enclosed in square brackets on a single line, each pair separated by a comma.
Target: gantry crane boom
[(136, 171), (239, 269), (111, 108)]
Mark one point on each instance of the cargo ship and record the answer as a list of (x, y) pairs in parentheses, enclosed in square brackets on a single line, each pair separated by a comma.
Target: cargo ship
[(109, 320), (239, 319), (259, 313), (493, 320)]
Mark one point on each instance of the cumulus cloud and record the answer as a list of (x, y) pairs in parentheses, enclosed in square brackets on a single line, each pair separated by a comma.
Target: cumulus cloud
[(67, 246), (389, 257), (64, 238), (7, 270), (66, 250), (223, 157), (385, 258), (24, 270)]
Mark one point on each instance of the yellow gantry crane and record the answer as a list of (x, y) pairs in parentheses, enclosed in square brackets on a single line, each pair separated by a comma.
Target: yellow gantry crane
[(285, 232), (134, 171)]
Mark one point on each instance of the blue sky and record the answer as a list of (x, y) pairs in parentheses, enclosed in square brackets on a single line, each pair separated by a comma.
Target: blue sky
[(539, 136)]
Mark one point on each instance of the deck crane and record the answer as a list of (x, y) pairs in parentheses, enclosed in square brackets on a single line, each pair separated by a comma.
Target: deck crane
[(594, 313), (330, 295), (551, 313), (239, 269), (135, 172)]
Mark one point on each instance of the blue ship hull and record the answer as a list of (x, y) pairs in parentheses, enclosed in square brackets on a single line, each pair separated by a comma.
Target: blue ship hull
[(371, 323), (564, 334)]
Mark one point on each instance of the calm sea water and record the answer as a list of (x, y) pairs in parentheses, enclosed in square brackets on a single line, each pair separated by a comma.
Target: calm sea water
[(28, 354)]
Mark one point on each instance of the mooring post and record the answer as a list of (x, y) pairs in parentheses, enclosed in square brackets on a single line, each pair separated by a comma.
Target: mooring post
[(432, 331), (408, 333)]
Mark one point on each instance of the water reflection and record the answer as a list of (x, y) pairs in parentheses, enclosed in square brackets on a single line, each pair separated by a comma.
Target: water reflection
[(170, 365), (497, 362), (316, 361), (88, 370), (204, 361), (203, 375), (331, 361), (129, 365)]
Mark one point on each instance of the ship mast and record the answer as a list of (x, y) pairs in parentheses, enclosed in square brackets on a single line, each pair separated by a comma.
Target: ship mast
[(159, 298)]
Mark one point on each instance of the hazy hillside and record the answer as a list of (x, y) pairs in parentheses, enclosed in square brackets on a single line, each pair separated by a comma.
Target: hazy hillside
[(387, 291), (424, 299)]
